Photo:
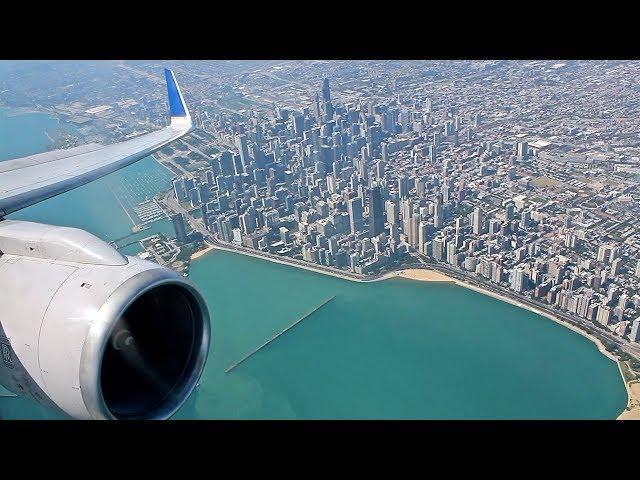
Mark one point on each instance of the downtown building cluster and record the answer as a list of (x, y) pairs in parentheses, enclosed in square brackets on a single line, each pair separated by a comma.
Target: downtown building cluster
[(365, 187)]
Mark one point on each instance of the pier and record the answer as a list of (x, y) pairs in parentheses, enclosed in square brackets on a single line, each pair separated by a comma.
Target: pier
[(282, 332)]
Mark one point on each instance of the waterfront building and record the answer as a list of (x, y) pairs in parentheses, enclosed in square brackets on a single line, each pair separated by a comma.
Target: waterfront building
[(519, 279), (452, 256), (179, 226), (604, 315)]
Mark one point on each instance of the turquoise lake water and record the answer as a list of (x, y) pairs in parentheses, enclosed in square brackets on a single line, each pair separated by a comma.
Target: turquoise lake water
[(393, 349)]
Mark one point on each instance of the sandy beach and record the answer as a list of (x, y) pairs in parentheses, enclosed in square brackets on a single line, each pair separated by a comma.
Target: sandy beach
[(425, 275), (202, 252), (632, 412)]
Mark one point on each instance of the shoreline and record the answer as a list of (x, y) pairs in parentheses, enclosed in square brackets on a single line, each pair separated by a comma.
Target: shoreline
[(632, 410), (311, 268), (202, 252)]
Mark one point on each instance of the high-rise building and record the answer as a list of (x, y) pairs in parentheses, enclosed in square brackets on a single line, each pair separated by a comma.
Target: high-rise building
[(423, 233), (604, 315), (604, 253), (452, 256), (525, 219), (298, 124), (438, 214), (392, 212), (414, 230), (194, 196), (243, 148), (523, 150), (326, 91), (376, 218), (178, 190), (224, 229), (496, 272), (634, 336), (478, 221), (570, 240), (355, 214), (248, 221), (615, 267), (519, 279), (226, 163), (179, 226), (403, 187), (438, 249)]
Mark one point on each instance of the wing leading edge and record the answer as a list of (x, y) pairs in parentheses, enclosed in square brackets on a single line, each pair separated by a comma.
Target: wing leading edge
[(29, 180)]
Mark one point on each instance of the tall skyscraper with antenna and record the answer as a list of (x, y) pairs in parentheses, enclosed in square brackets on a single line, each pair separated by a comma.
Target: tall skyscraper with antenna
[(326, 91)]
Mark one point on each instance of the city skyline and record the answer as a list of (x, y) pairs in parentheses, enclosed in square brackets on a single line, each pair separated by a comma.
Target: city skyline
[(518, 178)]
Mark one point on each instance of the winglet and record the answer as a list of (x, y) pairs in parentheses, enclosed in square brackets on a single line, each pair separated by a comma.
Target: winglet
[(177, 107)]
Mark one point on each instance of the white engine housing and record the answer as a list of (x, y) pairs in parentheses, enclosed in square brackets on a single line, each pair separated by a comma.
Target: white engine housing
[(92, 332)]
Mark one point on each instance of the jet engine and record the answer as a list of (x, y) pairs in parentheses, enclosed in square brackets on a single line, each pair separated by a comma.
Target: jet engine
[(93, 333)]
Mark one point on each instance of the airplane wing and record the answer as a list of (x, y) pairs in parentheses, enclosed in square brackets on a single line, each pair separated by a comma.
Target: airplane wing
[(29, 180)]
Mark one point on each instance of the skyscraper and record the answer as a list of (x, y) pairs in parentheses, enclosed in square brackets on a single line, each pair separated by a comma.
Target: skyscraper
[(634, 336), (392, 212), (604, 253), (523, 150), (478, 221), (438, 214), (243, 148), (355, 214), (298, 124), (376, 219), (452, 257), (423, 232), (403, 187), (519, 279), (326, 91), (226, 163), (438, 246), (178, 190), (414, 233), (178, 224)]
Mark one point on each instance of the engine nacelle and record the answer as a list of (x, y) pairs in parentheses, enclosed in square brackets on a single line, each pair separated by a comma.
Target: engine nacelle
[(94, 333)]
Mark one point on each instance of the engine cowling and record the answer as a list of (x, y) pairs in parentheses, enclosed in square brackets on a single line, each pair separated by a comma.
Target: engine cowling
[(92, 332)]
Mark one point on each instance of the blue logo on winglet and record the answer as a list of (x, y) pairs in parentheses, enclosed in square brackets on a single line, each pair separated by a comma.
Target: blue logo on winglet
[(176, 107)]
